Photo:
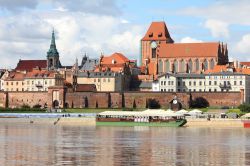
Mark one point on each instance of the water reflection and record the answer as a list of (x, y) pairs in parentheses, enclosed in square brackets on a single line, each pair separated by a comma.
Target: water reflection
[(22, 144)]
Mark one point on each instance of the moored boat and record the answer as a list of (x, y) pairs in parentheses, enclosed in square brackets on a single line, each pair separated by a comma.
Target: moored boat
[(155, 118)]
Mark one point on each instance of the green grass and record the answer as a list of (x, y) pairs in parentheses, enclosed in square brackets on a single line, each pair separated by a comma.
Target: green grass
[(21, 110)]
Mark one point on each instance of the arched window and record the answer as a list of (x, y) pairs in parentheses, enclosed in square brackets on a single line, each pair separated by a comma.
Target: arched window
[(175, 66), (190, 66), (160, 69), (182, 66), (205, 65), (211, 63), (167, 65), (197, 65)]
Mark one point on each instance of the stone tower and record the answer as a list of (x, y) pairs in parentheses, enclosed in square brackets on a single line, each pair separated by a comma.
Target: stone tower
[(53, 61)]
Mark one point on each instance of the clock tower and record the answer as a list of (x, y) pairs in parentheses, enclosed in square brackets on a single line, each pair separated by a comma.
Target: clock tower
[(53, 61)]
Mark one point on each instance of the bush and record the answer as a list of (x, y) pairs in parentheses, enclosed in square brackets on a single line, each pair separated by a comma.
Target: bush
[(37, 106), (244, 108), (199, 102), (25, 106), (153, 104)]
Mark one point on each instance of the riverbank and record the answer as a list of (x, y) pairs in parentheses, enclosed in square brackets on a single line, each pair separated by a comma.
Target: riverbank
[(90, 121), (73, 121), (218, 122)]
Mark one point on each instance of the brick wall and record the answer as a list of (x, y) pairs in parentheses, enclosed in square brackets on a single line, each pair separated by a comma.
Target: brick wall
[(117, 100), (17, 99)]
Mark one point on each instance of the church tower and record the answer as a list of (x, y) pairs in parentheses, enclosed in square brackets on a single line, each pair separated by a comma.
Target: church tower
[(53, 61), (157, 33)]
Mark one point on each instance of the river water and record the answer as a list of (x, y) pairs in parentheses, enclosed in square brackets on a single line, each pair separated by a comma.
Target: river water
[(31, 144)]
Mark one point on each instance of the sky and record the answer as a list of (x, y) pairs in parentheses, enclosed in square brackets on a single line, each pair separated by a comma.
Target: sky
[(107, 26)]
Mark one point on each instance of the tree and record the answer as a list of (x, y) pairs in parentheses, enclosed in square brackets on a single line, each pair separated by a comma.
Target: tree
[(153, 104), (199, 102)]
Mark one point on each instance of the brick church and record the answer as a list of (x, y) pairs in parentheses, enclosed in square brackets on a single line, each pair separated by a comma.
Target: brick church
[(159, 53)]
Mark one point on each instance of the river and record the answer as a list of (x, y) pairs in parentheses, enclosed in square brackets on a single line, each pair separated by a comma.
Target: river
[(31, 144)]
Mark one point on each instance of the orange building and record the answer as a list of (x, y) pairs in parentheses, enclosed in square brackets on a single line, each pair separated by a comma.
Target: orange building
[(159, 53)]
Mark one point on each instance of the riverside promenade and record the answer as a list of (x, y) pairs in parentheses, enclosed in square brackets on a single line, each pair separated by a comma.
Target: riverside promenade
[(88, 119)]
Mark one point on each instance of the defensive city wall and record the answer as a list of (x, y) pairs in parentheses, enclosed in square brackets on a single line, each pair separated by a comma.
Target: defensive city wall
[(116, 100)]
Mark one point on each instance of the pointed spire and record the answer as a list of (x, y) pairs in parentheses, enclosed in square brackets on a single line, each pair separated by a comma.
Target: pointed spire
[(52, 50)]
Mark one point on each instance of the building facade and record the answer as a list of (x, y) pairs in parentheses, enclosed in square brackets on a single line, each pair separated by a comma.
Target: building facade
[(36, 80), (214, 82), (103, 81), (159, 53)]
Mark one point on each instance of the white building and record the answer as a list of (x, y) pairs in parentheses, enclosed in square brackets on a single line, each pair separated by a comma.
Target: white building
[(215, 82)]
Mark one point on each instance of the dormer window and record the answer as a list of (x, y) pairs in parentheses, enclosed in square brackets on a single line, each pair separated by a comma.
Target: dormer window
[(150, 34), (160, 34), (113, 61)]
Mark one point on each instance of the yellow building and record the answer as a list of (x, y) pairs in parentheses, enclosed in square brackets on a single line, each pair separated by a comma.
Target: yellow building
[(104, 81)]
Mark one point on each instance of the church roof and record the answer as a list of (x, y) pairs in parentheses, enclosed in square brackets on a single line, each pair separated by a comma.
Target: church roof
[(29, 65), (188, 50), (158, 31)]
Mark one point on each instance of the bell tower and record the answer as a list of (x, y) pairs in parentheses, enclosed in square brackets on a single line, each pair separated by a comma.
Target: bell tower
[(53, 61)]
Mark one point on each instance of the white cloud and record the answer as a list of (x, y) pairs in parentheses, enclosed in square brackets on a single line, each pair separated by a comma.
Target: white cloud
[(243, 46), (218, 28), (228, 11), (27, 36), (190, 40), (16, 5)]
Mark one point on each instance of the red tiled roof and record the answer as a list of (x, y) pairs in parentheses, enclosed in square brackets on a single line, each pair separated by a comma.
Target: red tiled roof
[(86, 88), (217, 69), (188, 50), (116, 58), (41, 73), (245, 63), (28, 65), (15, 76), (158, 31)]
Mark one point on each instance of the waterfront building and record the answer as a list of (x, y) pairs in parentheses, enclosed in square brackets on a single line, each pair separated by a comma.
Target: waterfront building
[(36, 80), (103, 81), (159, 53), (224, 81)]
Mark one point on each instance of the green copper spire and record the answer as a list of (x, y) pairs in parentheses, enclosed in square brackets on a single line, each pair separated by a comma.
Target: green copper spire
[(52, 50)]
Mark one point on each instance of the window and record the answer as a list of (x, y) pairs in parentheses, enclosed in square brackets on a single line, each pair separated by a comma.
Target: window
[(182, 66), (194, 83), (28, 82), (161, 82), (210, 82), (32, 82), (16, 83), (45, 82), (153, 52), (160, 67), (183, 83), (211, 63), (190, 83), (7, 83), (235, 82), (209, 90), (240, 82), (175, 66), (104, 79), (164, 82), (197, 65), (215, 82), (190, 66), (99, 80), (200, 82), (205, 65), (11, 83), (215, 90), (108, 80), (179, 84), (167, 65)]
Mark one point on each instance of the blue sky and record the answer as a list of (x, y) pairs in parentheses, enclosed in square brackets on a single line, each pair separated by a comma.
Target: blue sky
[(95, 26)]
